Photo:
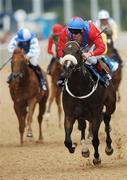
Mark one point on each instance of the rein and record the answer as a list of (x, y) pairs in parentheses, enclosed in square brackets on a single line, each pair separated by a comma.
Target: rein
[(3, 65), (84, 96)]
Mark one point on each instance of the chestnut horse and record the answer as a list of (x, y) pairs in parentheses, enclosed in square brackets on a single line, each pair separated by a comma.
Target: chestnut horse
[(83, 99), (55, 92), (25, 92)]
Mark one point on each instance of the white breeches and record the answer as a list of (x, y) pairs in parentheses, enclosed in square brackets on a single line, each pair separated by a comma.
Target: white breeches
[(91, 60), (34, 61)]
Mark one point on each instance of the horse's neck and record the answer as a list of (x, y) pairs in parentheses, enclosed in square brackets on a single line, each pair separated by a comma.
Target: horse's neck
[(26, 76), (110, 48), (80, 80)]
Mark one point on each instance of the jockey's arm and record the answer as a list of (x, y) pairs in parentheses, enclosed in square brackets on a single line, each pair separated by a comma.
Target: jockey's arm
[(34, 50), (12, 45), (62, 41), (50, 46), (95, 37)]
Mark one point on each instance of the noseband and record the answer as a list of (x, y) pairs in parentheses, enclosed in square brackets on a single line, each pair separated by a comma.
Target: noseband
[(17, 75)]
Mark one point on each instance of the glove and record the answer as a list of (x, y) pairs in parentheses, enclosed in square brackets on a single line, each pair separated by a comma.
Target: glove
[(108, 31), (54, 55), (85, 56)]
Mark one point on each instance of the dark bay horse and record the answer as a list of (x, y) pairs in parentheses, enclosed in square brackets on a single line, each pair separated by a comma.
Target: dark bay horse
[(83, 99), (55, 91), (25, 93), (117, 75)]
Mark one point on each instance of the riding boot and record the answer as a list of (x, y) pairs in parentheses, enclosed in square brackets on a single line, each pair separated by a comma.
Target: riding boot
[(50, 65), (103, 70), (40, 77), (111, 63), (61, 80)]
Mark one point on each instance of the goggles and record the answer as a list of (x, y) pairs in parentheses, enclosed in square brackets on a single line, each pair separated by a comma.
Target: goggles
[(75, 31)]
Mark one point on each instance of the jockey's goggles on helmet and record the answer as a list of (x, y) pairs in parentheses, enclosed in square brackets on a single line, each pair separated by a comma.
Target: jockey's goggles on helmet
[(75, 31)]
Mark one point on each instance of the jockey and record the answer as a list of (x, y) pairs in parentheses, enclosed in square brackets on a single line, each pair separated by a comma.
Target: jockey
[(27, 40), (105, 21), (53, 41), (87, 35)]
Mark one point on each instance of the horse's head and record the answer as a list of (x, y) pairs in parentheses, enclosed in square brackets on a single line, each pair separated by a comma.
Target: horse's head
[(72, 61), (72, 54), (78, 77), (18, 63)]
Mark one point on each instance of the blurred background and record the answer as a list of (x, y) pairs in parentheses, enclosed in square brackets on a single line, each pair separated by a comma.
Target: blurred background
[(40, 15)]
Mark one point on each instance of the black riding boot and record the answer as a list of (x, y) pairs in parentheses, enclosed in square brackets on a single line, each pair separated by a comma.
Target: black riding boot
[(61, 80), (39, 74), (103, 70)]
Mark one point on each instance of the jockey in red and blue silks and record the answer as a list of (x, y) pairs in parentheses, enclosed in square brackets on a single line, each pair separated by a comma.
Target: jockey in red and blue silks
[(86, 34), (90, 35)]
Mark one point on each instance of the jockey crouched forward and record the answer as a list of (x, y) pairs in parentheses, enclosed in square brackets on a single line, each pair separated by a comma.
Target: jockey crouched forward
[(27, 40), (53, 41), (86, 34)]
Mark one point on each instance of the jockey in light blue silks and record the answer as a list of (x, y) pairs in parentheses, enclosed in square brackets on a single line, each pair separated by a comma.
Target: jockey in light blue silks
[(27, 40)]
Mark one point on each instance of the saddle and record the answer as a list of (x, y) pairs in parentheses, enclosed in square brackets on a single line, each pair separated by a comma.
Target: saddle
[(94, 73)]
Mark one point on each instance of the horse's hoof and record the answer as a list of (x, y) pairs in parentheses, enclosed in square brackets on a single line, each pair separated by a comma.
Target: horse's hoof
[(72, 149), (46, 116), (29, 135), (39, 141), (109, 151), (86, 154), (96, 161)]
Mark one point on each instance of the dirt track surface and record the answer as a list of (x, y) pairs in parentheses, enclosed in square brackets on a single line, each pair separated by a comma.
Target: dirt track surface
[(51, 160)]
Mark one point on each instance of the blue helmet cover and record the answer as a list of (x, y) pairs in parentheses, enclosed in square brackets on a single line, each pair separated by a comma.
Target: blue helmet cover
[(76, 23), (21, 36)]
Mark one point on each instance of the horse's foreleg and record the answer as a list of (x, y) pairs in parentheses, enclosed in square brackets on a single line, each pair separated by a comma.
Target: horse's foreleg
[(42, 107), (31, 108), (82, 126), (108, 149), (21, 114), (68, 125), (95, 141), (90, 135), (50, 101), (58, 102), (49, 105)]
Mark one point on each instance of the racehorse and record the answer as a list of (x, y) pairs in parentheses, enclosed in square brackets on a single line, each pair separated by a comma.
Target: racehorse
[(25, 93), (55, 92), (117, 75), (83, 99)]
